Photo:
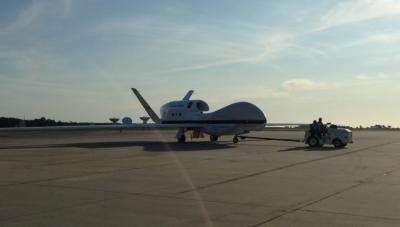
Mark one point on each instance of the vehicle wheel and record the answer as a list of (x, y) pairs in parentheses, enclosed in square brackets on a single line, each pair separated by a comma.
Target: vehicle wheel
[(213, 138), (235, 139), (313, 141), (182, 139), (338, 143)]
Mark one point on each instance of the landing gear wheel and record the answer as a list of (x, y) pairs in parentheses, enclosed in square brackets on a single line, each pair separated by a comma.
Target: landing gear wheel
[(235, 139), (182, 139), (213, 138), (313, 141)]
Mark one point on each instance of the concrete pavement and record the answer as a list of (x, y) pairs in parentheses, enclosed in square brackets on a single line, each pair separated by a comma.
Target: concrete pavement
[(144, 178)]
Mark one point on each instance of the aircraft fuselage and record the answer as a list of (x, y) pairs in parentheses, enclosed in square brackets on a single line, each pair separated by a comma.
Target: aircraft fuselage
[(233, 119)]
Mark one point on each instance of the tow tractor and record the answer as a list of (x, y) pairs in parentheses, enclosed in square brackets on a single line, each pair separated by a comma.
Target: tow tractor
[(338, 137)]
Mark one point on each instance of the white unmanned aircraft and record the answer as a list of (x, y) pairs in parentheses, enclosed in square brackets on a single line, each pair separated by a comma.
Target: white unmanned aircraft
[(189, 115), (235, 119)]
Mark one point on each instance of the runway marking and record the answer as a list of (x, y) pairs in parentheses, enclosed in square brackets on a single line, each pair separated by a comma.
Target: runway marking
[(284, 167)]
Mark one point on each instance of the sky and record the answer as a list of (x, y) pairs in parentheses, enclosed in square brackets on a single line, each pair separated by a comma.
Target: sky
[(76, 60)]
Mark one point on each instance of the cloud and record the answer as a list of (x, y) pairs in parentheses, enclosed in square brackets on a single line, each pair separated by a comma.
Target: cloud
[(285, 89), (298, 85), (28, 15), (383, 38), (377, 38), (143, 25), (66, 5), (272, 45), (361, 77), (349, 12), (259, 50), (125, 25), (35, 11), (392, 60), (288, 88), (257, 92), (363, 80), (195, 41), (379, 76)]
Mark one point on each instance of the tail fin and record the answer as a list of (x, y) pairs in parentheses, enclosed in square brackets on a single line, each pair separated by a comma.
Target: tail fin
[(146, 106), (188, 95)]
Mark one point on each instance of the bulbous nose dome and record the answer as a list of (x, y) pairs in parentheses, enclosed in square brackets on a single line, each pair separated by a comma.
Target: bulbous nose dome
[(240, 111)]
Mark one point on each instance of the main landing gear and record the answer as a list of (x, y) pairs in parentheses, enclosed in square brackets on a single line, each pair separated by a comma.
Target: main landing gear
[(181, 139), (180, 135), (213, 138)]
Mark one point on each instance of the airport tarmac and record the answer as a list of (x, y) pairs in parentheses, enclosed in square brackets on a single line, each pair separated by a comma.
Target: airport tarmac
[(145, 178)]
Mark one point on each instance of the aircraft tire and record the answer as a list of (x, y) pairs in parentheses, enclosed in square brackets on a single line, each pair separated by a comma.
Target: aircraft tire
[(235, 139), (182, 139), (213, 138)]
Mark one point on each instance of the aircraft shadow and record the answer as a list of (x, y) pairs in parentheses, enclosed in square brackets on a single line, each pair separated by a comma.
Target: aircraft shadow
[(149, 146), (306, 148)]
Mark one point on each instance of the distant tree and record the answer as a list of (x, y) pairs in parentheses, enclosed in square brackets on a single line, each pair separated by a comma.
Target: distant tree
[(6, 122)]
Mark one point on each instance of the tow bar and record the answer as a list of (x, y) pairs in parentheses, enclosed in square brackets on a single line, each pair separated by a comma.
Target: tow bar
[(266, 138)]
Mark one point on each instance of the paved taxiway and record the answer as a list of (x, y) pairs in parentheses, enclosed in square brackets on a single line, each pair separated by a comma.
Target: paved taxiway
[(144, 178)]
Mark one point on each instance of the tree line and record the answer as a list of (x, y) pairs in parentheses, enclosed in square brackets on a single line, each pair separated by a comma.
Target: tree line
[(7, 122)]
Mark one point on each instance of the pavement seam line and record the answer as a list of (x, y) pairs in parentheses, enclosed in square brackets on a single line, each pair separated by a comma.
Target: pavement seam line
[(59, 209), (300, 207), (291, 210), (282, 167), (348, 214), (151, 195)]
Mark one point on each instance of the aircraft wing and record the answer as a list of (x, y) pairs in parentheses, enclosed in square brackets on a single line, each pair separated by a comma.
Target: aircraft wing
[(290, 125), (93, 127), (136, 126), (154, 117)]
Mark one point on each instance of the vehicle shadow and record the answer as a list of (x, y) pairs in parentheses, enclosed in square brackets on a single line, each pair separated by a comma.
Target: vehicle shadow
[(306, 148), (149, 146)]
